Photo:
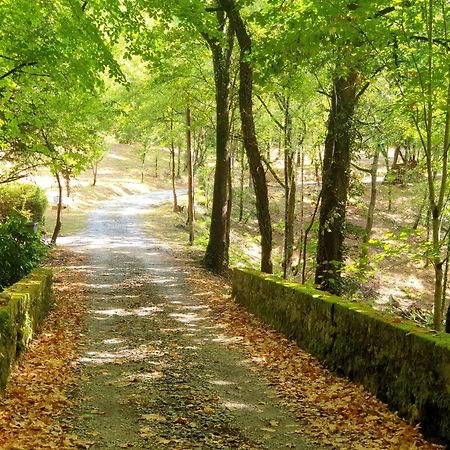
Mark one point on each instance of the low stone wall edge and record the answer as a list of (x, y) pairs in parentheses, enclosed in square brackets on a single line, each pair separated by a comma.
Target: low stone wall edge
[(405, 365)]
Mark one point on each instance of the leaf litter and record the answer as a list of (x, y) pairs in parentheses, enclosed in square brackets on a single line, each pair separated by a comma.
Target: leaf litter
[(330, 409), (33, 412)]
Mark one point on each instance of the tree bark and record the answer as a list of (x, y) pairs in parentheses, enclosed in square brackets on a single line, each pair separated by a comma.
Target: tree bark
[(241, 185), (249, 133), (335, 182), (290, 189), (190, 169), (371, 209), (58, 223), (94, 173), (215, 256), (174, 188)]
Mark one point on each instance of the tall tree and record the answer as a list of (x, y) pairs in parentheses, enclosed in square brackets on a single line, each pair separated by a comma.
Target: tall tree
[(249, 133), (221, 48)]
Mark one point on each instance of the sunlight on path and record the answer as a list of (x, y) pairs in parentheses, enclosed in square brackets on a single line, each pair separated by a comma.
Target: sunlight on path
[(157, 372)]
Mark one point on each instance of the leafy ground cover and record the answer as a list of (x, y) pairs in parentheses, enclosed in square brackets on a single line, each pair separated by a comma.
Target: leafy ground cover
[(33, 412), (39, 411)]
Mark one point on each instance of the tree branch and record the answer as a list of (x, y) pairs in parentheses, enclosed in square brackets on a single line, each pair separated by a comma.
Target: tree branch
[(362, 169), (272, 171), (17, 69), (278, 123)]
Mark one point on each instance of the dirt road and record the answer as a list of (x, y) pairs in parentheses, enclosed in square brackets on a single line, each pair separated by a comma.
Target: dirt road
[(157, 372)]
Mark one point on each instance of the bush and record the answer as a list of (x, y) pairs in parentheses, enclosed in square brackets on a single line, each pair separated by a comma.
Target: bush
[(21, 249), (26, 200)]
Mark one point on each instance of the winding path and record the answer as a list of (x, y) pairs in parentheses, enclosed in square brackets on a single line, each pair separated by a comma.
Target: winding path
[(157, 373)]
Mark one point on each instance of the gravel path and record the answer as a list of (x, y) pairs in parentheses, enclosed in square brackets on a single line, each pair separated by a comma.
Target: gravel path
[(157, 372)]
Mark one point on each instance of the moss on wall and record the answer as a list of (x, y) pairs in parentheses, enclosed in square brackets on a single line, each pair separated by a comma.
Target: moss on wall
[(22, 309), (406, 366)]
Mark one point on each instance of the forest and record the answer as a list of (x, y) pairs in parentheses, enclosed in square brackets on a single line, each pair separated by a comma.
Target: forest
[(327, 123), (308, 140)]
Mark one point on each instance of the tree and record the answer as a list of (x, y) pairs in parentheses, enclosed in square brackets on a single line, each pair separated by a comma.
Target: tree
[(221, 49), (249, 133)]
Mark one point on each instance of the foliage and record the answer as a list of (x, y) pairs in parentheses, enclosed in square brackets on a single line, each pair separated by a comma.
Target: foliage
[(26, 200), (21, 249)]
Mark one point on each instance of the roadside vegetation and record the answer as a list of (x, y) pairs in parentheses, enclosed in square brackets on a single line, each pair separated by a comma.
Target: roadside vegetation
[(321, 156)]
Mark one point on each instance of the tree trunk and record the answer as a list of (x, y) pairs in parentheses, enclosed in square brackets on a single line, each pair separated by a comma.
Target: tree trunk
[(174, 188), (241, 186), (67, 181), (335, 182), (301, 163), (215, 255), (94, 174), (249, 134), (371, 209), (58, 223), (190, 170), (290, 190), (179, 163), (229, 210), (143, 167)]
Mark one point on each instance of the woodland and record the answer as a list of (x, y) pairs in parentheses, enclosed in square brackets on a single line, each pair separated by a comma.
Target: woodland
[(313, 137)]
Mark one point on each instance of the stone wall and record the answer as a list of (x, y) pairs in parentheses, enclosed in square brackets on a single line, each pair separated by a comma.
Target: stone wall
[(22, 309), (406, 366)]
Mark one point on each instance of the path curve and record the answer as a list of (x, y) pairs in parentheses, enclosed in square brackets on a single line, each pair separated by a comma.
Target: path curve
[(157, 372)]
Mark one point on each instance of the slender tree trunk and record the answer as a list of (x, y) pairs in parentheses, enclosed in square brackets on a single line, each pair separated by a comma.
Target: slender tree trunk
[(67, 181), (290, 190), (241, 185), (249, 134), (301, 163), (418, 218), (94, 174), (371, 209), (190, 169), (179, 163), (143, 156), (174, 187), (172, 166), (156, 162), (58, 223), (387, 178), (215, 256), (445, 282), (335, 182), (305, 239), (229, 210)]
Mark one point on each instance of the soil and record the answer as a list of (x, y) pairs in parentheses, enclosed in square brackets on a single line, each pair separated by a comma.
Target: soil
[(156, 368)]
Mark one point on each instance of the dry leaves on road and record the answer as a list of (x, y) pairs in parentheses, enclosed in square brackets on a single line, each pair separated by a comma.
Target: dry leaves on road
[(37, 397), (330, 409)]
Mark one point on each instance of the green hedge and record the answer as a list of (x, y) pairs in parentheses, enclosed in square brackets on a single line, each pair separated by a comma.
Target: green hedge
[(406, 366), (22, 309), (27, 200)]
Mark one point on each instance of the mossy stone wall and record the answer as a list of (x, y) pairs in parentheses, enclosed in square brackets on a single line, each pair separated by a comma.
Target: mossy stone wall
[(22, 309), (406, 366)]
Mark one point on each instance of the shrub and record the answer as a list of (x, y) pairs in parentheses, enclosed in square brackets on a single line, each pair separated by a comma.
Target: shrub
[(26, 200), (21, 249)]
